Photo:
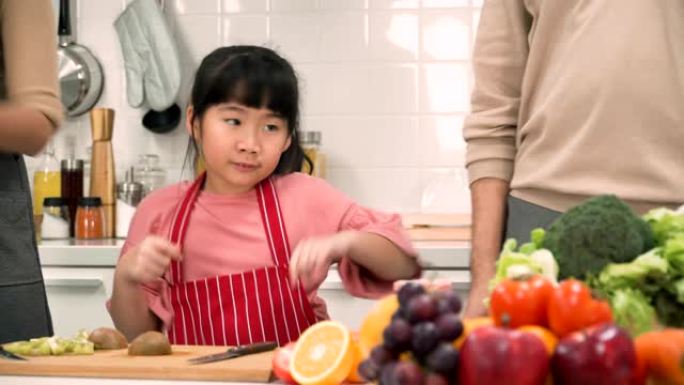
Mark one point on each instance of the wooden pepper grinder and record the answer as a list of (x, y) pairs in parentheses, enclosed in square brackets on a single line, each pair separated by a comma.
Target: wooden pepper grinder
[(102, 180)]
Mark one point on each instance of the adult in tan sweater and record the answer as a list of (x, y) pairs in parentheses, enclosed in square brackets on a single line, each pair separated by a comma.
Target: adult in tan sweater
[(30, 111), (572, 99)]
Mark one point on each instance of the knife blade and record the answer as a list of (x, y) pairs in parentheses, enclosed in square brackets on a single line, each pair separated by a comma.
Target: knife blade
[(234, 352), (10, 356)]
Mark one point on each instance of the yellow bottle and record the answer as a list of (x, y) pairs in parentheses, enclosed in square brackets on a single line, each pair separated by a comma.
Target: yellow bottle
[(311, 143), (46, 180)]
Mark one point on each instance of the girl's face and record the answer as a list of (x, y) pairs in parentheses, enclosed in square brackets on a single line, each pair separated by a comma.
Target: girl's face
[(241, 145)]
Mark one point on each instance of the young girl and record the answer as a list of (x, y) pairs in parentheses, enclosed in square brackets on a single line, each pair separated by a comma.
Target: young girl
[(210, 262)]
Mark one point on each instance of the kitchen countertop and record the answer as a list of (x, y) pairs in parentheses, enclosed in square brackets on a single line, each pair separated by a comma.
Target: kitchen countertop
[(104, 253)]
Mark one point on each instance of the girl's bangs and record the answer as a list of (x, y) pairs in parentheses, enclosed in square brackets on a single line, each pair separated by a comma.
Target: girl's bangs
[(256, 84)]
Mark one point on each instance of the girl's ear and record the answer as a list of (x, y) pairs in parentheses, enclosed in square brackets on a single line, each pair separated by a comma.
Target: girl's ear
[(191, 123)]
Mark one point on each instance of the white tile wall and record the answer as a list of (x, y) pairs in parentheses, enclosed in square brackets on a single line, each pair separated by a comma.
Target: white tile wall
[(386, 81)]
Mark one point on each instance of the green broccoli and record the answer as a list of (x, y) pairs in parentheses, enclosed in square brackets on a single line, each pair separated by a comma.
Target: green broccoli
[(599, 231)]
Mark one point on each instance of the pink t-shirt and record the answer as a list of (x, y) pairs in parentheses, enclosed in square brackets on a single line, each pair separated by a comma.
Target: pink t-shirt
[(225, 234)]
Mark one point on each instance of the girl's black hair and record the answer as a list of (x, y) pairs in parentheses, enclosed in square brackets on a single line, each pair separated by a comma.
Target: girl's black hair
[(256, 77)]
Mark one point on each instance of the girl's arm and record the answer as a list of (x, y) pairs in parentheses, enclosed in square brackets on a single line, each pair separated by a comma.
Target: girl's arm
[(145, 263), (380, 256), (312, 257), (128, 308)]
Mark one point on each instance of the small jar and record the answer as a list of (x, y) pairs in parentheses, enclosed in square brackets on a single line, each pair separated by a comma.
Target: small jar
[(311, 143), (55, 219), (149, 172), (90, 218)]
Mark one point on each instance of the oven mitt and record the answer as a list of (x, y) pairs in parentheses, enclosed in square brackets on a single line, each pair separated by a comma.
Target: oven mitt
[(150, 55)]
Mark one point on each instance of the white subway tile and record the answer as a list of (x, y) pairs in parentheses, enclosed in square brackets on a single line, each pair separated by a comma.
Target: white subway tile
[(293, 5), (393, 36), (366, 141), (445, 88), (245, 6), (198, 35), (296, 36), (342, 4), (440, 141), (343, 36), (245, 30), (387, 189), (446, 35), (391, 89), (189, 7), (95, 30), (444, 190), (445, 3), (336, 89), (394, 4), (113, 91)]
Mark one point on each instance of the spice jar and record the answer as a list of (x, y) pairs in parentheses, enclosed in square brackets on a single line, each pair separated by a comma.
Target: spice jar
[(311, 143), (90, 218), (55, 219), (72, 187)]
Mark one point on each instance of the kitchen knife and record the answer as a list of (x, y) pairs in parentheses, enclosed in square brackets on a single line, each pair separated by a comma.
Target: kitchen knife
[(9, 355), (234, 352)]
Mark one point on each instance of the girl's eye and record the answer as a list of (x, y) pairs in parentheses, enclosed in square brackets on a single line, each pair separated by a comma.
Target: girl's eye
[(271, 127), (232, 122)]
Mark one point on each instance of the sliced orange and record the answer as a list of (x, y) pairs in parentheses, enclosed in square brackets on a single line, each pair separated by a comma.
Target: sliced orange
[(470, 324), (375, 322), (323, 355), (354, 375)]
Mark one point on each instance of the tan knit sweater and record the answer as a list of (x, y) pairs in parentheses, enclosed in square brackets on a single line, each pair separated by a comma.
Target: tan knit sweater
[(575, 98), (28, 65)]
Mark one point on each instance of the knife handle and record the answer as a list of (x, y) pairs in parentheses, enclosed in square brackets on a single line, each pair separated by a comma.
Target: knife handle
[(256, 348)]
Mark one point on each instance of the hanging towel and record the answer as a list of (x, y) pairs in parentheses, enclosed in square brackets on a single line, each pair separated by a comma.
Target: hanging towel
[(150, 55)]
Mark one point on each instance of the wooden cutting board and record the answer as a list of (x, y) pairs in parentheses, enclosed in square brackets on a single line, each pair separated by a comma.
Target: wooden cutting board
[(118, 364)]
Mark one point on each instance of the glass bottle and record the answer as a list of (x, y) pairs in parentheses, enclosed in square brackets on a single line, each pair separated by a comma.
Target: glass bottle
[(149, 173), (46, 183), (311, 143), (90, 218), (72, 187)]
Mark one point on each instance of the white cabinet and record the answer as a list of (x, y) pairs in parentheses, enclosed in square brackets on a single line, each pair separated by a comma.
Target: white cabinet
[(77, 297)]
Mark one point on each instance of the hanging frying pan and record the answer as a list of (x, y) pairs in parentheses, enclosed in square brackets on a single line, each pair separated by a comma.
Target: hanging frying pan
[(80, 75)]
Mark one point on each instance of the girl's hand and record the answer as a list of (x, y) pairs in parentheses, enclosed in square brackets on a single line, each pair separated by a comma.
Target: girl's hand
[(312, 258), (149, 260)]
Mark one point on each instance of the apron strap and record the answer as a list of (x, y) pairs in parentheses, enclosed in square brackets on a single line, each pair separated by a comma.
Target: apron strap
[(179, 225), (272, 218)]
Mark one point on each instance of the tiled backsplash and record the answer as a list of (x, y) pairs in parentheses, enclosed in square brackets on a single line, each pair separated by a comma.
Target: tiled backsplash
[(386, 81)]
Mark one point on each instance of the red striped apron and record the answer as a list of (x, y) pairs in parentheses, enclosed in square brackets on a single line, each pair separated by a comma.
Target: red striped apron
[(252, 306)]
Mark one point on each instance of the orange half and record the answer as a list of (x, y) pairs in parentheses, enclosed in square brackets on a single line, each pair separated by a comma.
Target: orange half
[(323, 355)]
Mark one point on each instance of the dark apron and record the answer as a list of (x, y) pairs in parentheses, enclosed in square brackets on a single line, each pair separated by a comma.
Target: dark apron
[(522, 217), (24, 310)]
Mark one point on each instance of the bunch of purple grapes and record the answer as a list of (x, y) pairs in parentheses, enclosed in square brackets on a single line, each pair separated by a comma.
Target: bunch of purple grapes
[(425, 326)]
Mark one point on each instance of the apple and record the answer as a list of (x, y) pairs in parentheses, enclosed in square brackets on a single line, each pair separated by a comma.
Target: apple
[(598, 355), (493, 356)]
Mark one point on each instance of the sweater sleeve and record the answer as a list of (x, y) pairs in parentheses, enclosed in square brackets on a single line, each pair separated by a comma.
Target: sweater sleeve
[(357, 280), (499, 60), (30, 56)]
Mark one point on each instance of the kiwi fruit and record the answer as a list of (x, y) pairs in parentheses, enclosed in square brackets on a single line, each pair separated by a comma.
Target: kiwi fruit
[(150, 343), (107, 339)]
